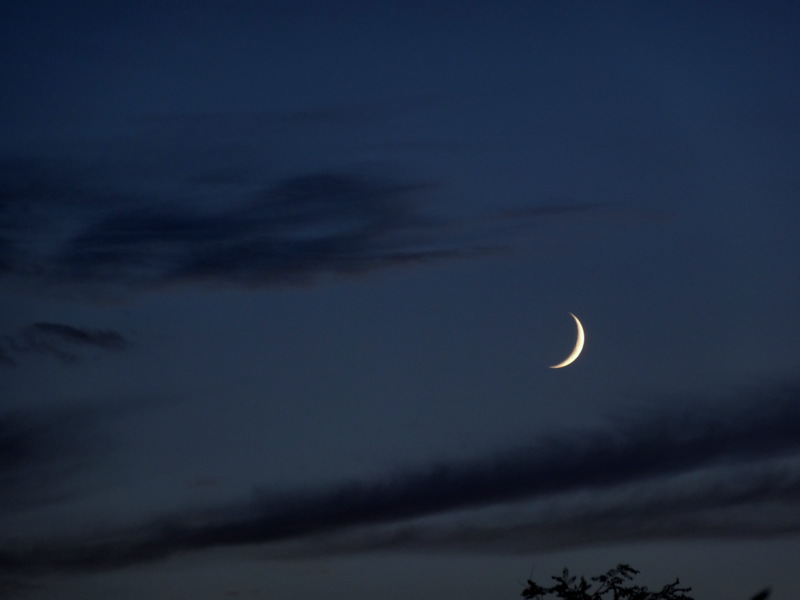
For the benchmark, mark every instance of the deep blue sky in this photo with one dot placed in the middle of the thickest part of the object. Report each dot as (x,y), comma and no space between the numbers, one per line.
(281,283)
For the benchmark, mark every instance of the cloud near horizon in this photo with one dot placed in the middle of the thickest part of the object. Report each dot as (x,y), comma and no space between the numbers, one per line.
(679,474)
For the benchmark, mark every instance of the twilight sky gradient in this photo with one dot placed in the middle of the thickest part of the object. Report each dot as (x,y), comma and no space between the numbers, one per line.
(280,283)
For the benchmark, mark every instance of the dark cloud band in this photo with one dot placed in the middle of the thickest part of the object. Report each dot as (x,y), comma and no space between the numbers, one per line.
(764,425)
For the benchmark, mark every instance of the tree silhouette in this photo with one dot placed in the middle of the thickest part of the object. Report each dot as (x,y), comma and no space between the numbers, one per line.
(613,585)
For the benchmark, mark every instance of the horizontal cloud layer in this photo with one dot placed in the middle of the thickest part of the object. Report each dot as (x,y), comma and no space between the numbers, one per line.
(635,454)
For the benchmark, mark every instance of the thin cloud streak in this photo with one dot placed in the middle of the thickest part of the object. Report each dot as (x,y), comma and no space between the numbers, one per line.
(762,425)
(60,341)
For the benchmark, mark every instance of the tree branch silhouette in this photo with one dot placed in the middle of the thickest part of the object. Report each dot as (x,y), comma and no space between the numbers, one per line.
(612,585)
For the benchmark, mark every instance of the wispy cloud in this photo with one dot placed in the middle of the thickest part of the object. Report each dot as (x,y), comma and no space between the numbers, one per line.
(58,340)
(41,451)
(57,229)
(627,461)
(292,233)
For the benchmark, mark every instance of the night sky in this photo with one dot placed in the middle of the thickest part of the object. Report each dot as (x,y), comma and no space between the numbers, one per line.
(281,283)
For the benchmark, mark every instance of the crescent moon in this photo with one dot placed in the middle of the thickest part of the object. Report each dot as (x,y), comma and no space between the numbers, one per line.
(576,351)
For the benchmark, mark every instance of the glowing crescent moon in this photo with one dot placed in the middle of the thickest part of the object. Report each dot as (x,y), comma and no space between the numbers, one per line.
(576,351)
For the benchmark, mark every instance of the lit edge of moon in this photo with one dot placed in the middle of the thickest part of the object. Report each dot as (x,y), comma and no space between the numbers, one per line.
(576,351)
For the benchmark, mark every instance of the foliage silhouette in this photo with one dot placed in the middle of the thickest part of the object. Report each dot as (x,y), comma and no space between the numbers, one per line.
(613,585)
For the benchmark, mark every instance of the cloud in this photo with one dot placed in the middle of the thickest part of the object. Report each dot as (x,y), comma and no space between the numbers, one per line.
(753,500)
(59,340)
(41,453)
(18,588)
(57,230)
(291,233)
(627,462)
(5,358)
